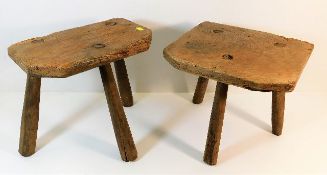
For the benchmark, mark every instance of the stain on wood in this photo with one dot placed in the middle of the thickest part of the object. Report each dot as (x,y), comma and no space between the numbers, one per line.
(216,124)
(123,83)
(200,90)
(123,134)
(241,57)
(278,106)
(72,51)
(30,116)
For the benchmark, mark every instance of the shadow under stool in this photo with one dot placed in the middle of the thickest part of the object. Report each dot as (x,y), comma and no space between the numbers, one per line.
(69,52)
(241,57)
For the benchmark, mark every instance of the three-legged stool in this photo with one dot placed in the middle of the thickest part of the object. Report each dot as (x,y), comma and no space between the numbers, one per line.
(241,57)
(76,50)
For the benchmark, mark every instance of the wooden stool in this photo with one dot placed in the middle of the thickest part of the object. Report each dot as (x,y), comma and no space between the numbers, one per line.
(250,59)
(73,51)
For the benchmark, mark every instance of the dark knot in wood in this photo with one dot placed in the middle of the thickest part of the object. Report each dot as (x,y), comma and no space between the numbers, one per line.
(228,57)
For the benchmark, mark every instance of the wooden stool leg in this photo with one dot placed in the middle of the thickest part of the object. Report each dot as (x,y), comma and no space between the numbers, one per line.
(278,106)
(122,131)
(123,83)
(200,90)
(30,116)
(216,124)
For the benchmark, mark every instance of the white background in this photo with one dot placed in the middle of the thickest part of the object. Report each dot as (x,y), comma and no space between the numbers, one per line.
(75,134)
(149,72)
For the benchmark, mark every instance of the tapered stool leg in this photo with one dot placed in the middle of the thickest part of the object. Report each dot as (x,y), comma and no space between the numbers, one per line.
(122,131)
(216,124)
(123,83)
(278,106)
(30,116)
(200,90)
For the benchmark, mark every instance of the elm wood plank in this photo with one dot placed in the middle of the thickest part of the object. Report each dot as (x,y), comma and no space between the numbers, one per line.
(72,51)
(122,131)
(278,106)
(200,90)
(241,57)
(123,83)
(30,116)
(216,124)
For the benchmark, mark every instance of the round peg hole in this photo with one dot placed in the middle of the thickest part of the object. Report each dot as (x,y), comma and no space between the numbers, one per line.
(228,57)
(110,23)
(99,45)
(37,40)
(279,44)
(218,31)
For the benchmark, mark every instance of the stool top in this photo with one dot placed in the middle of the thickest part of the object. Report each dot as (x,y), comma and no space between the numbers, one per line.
(72,51)
(247,58)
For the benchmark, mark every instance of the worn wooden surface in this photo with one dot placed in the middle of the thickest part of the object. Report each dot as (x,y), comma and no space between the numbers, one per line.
(200,90)
(30,116)
(72,51)
(216,124)
(122,131)
(242,57)
(278,106)
(123,83)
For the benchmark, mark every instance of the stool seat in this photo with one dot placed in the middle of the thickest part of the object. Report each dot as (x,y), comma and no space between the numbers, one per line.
(72,51)
(246,58)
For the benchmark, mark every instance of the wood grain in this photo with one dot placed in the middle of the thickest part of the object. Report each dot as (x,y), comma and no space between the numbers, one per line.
(216,124)
(122,131)
(125,90)
(200,90)
(30,116)
(278,106)
(241,57)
